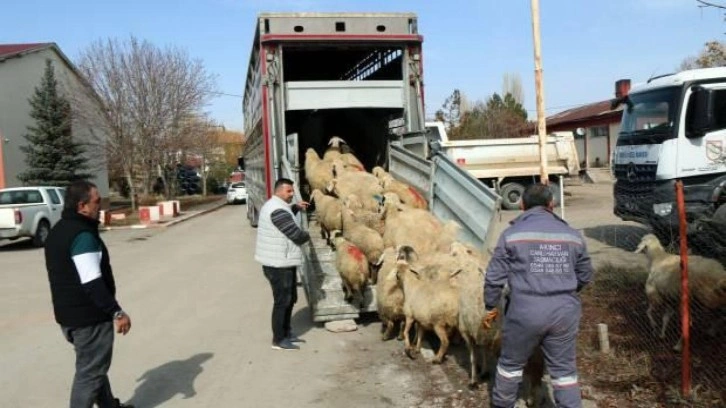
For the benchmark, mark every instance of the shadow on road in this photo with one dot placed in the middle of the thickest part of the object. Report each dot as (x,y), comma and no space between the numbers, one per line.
(624,237)
(301,321)
(22,244)
(162,383)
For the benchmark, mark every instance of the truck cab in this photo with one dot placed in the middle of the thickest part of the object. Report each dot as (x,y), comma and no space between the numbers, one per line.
(673,128)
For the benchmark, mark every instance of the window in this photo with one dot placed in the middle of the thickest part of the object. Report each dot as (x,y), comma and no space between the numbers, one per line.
(719,109)
(600,131)
(21,197)
(53,196)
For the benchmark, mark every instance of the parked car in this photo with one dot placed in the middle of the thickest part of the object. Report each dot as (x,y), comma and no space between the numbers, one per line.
(237,193)
(29,212)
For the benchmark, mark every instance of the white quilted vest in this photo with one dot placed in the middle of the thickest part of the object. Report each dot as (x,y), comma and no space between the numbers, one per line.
(273,248)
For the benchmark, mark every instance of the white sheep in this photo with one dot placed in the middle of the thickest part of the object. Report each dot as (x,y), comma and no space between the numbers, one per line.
(432,305)
(318,172)
(371,219)
(328,210)
(353,268)
(368,240)
(706,281)
(389,295)
(364,185)
(416,228)
(334,150)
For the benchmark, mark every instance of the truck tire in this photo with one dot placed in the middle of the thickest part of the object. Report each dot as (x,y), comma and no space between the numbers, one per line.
(719,215)
(511,195)
(41,233)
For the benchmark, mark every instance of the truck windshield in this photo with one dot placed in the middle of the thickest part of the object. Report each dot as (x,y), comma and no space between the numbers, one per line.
(649,117)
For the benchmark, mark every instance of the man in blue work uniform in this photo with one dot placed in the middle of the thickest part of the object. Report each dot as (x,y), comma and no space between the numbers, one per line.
(545,262)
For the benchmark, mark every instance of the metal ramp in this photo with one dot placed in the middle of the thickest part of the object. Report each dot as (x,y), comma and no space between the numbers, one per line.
(323,285)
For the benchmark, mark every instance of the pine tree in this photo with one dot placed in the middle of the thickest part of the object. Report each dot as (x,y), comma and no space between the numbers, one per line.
(52,155)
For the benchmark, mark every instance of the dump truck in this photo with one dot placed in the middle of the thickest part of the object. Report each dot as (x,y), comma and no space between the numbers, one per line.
(508,165)
(312,76)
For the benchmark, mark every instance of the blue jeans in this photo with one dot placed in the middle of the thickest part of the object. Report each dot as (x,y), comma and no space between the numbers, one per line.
(94,348)
(284,292)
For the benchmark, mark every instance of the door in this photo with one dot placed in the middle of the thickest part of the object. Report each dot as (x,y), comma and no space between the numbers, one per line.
(55,204)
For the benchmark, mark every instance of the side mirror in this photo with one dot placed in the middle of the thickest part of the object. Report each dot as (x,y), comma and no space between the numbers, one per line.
(699,118)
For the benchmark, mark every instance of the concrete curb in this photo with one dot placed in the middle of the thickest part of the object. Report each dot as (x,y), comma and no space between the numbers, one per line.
(186,216)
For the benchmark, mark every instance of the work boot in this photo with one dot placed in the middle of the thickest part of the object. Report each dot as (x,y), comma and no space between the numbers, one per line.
(285,344)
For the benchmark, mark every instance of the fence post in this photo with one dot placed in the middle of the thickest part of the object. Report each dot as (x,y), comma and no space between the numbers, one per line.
(685,311)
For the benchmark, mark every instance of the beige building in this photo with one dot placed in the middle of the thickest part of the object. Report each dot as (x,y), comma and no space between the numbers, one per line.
(21,70)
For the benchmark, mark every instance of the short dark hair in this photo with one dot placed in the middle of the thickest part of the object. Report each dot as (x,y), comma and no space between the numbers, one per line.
(283,181)
(537,195)
(77,192)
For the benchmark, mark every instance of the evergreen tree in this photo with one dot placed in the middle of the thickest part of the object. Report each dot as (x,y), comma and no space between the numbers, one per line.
(52,156)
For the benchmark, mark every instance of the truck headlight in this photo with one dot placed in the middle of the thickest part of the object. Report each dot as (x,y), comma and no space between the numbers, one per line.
(663,209)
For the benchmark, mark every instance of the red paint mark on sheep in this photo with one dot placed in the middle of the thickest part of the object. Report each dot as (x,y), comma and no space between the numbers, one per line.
(356,253)
(417,196)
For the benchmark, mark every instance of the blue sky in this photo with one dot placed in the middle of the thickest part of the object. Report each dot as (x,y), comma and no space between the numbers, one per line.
(470,45)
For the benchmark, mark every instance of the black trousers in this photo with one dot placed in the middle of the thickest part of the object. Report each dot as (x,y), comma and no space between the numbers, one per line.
(94,348)
(284,292)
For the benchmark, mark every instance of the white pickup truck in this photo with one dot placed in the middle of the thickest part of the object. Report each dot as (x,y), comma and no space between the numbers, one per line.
(30,212)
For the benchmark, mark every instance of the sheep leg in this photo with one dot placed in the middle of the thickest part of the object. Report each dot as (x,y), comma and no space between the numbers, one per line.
(666,319)
(472,360)
(406,339)
(388,326)
(419,336)
(444,338)
(402,326)
(649,313)
(347,292)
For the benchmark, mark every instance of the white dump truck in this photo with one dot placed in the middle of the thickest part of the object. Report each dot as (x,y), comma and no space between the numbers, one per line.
(508,165)
(312,76)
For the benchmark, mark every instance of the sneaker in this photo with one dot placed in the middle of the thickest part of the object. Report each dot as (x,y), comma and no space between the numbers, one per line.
(294,339)
(284,345)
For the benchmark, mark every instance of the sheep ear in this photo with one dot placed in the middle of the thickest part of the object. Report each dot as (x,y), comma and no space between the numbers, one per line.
(640,248)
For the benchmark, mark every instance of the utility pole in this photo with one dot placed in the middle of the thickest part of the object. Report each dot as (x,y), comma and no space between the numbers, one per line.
(539,91)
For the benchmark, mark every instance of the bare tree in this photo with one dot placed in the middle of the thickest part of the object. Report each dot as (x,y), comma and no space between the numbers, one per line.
(148,95)
(712,55)
(512,84)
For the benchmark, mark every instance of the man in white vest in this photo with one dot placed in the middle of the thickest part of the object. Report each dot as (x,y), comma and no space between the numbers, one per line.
(279,238)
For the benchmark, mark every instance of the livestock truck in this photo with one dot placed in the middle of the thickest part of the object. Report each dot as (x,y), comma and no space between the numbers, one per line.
(674,128)
(312,76)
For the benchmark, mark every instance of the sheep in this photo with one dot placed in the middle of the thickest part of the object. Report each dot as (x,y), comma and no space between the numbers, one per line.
(372,220)
(334,150)
(407,194)
(368,240)
(328,210)
(317,172)
(389,295)
(433,305)
(416,228)
(706,281)
(364,185)
(353,269)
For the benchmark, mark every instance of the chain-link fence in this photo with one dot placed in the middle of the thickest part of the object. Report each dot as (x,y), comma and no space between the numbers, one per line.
(667,345)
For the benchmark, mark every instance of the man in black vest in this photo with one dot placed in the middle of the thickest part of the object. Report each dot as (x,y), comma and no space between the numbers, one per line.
(83,291)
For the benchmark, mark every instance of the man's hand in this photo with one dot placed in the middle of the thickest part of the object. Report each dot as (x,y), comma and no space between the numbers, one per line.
(122,324)
(489,318)
(303,205)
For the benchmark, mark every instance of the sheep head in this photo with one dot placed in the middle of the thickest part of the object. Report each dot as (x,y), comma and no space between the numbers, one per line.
(406,253)
(332,187)
(648,243)
(336,141)
(378,172)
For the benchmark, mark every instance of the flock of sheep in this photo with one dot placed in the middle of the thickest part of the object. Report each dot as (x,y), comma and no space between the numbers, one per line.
(384,235)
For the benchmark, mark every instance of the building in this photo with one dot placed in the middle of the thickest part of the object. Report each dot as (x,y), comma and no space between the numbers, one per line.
(21,70)
(595,127)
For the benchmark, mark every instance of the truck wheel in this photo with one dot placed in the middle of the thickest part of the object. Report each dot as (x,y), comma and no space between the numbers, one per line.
(511,195)
(41,233)
(253,215)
